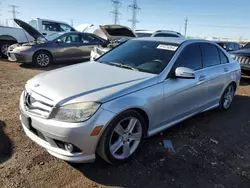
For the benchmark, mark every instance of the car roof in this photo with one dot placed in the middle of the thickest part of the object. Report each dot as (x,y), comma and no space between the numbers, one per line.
(174,40)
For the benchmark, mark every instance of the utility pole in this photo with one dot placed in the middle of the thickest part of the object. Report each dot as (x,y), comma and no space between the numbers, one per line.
(116,4)
(186,24)
(135,8)
(14,13)
(72,22)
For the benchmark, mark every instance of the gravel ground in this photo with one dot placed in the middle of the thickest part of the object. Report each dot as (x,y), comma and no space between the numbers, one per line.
(211,149)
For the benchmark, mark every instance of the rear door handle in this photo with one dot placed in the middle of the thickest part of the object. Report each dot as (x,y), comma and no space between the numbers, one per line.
(44,33)
(226,69)
(202,77)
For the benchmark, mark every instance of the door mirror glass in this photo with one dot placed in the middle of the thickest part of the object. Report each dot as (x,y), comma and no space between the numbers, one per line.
(183,72)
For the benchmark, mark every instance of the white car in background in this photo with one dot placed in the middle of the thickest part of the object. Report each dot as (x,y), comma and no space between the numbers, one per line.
(159,33)
(115,34)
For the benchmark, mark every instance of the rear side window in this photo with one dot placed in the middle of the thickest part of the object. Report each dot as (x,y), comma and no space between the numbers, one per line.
(210,55)
(166,35)
(190,57)
(223,57)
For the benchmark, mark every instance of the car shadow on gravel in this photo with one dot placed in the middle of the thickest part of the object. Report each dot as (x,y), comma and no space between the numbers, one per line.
(211,150)
(5,144)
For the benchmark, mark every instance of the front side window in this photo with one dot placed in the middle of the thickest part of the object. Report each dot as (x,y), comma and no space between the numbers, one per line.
(166,35)
(145,56)
(210,55)
(190,57)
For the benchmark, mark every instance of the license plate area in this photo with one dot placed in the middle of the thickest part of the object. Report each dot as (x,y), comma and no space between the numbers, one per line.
(26,121)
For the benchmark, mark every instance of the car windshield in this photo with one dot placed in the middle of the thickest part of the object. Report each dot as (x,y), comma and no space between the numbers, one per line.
(143,34)
(145,56)
(53,36)
(247,45)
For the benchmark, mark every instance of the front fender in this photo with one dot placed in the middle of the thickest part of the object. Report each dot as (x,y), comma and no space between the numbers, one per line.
(149,100)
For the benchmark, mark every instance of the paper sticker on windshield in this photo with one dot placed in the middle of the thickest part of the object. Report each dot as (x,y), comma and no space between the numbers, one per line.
(167,47)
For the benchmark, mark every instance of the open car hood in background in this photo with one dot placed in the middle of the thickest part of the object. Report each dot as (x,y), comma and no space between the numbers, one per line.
(83,27)
(29,29)
(114,32)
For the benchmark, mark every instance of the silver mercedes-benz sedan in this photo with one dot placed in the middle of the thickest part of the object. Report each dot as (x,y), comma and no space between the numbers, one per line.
(108,106)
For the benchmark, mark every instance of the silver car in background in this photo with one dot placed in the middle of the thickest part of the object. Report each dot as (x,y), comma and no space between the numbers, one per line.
(136,90)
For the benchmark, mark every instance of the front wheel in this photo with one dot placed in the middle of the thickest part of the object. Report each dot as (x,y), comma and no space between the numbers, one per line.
(4,48)
(227,97)
(122,137)
(42,59)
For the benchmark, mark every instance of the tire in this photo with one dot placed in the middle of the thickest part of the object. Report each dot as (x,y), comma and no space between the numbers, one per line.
(4,47)
(227,97)
(123,147)
(42,58)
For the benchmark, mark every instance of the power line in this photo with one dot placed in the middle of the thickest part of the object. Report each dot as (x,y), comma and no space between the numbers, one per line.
(14,13)
(186,25)
(135,8)
(116,4)
(222,26)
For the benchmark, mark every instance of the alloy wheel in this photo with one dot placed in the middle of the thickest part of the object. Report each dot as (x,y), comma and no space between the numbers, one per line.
(125,138)
(228,97)
(43,60)
(4,49)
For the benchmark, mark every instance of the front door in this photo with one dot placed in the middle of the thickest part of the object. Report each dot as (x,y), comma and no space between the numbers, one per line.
(184,97)
(69,48)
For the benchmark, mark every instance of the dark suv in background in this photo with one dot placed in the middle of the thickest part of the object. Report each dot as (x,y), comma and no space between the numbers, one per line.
(229,46)
(243,57)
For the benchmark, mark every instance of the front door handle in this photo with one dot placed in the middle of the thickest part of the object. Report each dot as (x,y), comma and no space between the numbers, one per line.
(226,69)
(202,77)
(45,34)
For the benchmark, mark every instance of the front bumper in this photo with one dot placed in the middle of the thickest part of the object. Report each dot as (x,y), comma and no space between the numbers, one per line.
(47,133)
(20,56)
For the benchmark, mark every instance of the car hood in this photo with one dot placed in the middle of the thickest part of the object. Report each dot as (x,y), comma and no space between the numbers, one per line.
(114,32)
(29,29)
(84,27)
(90,81)
(241,52)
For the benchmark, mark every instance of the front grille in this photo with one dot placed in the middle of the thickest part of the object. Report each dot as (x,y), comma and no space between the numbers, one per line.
(37,104)
(243,59)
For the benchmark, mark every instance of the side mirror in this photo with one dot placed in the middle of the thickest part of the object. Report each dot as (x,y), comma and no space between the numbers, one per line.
(58,41)
(183,72)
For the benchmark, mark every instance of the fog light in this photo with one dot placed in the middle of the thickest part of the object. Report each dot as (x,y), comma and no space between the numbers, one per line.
(69,147)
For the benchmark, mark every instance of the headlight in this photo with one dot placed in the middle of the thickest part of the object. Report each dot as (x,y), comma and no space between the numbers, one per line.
(76,112)
(24,48)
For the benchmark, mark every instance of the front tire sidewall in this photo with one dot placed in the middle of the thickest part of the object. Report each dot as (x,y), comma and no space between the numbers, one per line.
(41,53)
(103,147)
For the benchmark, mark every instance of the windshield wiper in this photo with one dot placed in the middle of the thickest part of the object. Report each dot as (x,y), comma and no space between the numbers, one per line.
(123,66)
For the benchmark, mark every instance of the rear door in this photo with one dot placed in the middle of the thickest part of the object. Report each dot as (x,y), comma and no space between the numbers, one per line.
(215,69)
(87,43)
(183,97)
